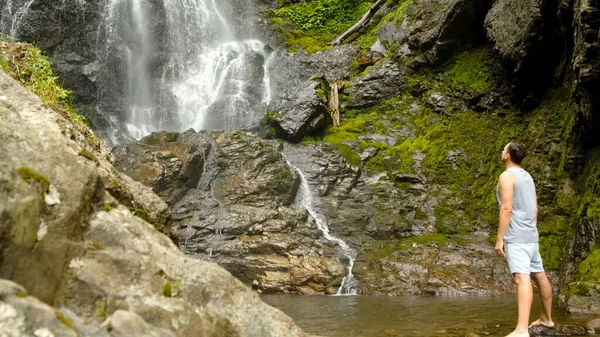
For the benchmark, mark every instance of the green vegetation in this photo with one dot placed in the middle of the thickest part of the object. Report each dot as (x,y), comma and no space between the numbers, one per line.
(470,71)
(64,320)
(461,152)
(171,137)
(316,23)
(87,154)
(146,216)
(167,289)
(31,176)
(323,89)
(107,207)
(26,64)
(282,180)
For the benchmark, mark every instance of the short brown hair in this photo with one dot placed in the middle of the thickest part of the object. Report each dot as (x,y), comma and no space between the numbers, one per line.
(517,151)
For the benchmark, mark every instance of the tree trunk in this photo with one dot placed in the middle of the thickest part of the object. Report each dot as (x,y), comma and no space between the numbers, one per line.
(360,24)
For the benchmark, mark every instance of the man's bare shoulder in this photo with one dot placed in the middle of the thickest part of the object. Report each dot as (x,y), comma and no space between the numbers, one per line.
(506,177)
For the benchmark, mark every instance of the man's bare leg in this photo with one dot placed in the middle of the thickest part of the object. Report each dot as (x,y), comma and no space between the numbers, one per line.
(525,298)
(546,298)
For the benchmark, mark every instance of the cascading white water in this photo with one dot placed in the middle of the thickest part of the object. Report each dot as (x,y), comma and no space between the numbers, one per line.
(216,78)
(182,64)
(305,199)
(129,44)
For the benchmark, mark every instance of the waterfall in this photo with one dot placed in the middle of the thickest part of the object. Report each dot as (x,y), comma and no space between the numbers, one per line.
(305,199)
(15,17)
(180,64)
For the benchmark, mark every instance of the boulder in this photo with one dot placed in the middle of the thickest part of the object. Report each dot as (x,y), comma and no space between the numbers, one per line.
(382,81)
(301,113)
(82,249)
(431,31)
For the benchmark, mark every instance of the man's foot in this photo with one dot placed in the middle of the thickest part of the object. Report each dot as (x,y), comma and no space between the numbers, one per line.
(518,334)
(540,322)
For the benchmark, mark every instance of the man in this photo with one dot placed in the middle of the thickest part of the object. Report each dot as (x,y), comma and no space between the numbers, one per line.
(517,240)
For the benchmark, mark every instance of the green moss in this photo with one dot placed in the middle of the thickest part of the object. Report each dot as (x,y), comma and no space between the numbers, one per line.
(87,154)
(282,180)
(469,70)
(146,216)
(32,176)
(171,136)
(100,311)
(21,294)
(166,290)
(143,214)
(427,239)
(351,157)
(277,21)
(64,320)
(107,207)
(323,89)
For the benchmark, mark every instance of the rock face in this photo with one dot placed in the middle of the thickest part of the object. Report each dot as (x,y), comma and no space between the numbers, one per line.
(527,35)
(24,316)
(381,82)
(585,68)
(60,223)
(300,90)
(246,213)
(67,30)
(237,209)
(431,31)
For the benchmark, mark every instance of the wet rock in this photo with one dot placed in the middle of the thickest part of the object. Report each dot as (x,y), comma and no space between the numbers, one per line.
(559,330)
(238,211)
(440,103)
(530,39)
(299,114)
(586,46)
(169,162)
(334,64)
(381,82)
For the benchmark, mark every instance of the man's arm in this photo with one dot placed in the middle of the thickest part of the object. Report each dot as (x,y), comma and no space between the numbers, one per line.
(506,186)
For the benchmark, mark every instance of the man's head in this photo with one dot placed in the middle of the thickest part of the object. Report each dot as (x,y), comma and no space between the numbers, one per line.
(514,152)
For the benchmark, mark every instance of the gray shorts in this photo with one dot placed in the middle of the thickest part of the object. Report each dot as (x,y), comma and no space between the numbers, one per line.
(523,258)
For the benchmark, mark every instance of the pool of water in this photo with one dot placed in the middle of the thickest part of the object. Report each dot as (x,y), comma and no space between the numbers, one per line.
(379,316)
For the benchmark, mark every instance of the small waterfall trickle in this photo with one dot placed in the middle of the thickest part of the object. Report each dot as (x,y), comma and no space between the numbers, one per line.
(12,19)
(306,200)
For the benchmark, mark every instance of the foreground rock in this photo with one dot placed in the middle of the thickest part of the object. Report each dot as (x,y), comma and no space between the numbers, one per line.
(60,224)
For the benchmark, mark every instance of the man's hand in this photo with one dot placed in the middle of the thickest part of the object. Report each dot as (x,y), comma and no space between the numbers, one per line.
(500,249)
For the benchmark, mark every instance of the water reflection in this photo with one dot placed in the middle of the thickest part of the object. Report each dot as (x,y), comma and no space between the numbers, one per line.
(370,316)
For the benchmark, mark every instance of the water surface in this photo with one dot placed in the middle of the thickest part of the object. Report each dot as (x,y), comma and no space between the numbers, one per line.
(379,316)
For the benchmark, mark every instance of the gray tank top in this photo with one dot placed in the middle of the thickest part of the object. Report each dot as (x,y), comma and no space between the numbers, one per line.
(523,227)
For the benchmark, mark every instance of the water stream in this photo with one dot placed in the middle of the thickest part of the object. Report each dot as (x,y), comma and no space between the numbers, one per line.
(306,200)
